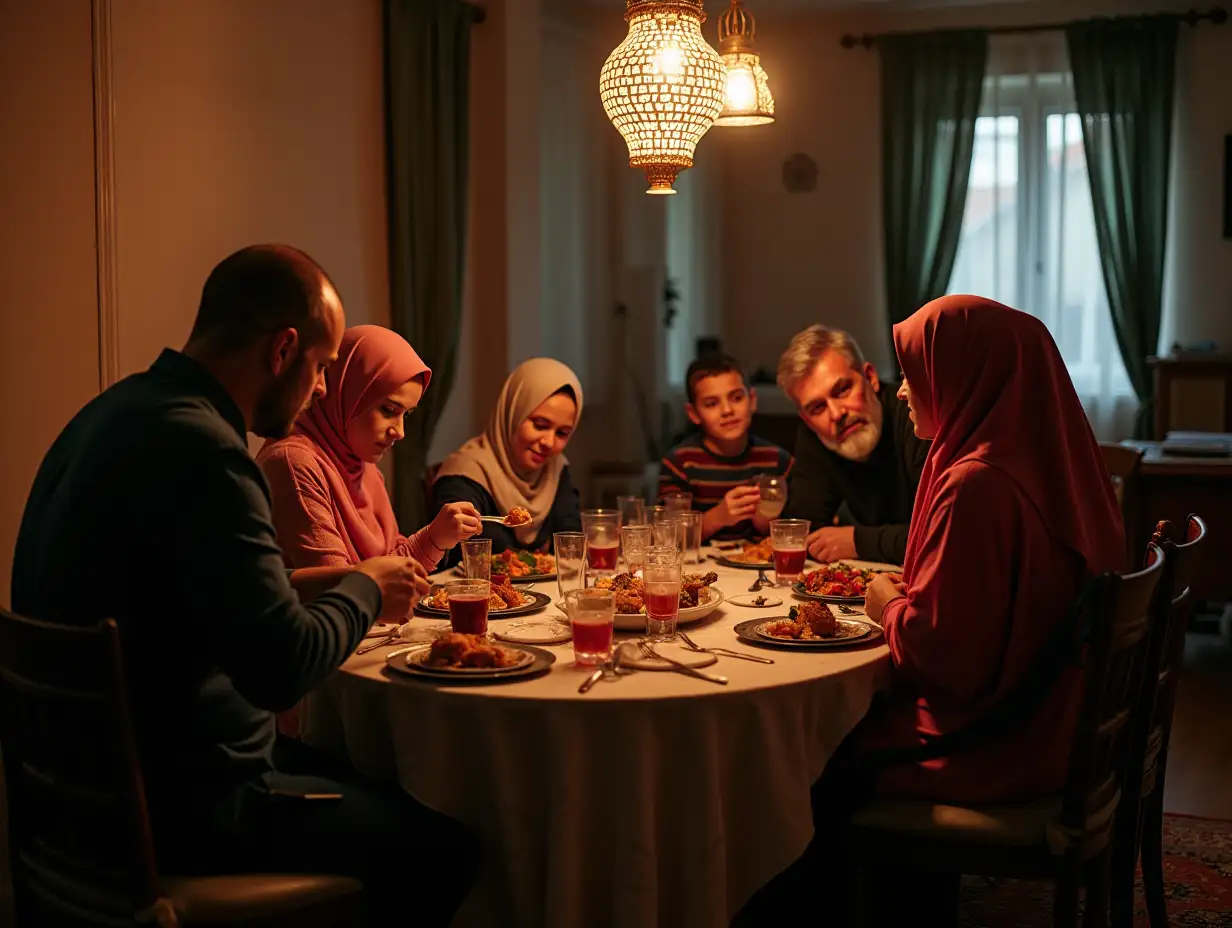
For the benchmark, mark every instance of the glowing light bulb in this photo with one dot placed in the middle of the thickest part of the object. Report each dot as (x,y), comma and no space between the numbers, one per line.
(669,62)
(741,94)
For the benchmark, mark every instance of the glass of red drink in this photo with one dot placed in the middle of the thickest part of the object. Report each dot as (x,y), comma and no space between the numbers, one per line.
(602,528)
(468,606)
(789,539)
(592,616)
(662,597)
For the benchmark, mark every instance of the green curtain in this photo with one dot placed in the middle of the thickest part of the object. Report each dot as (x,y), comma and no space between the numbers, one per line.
(930,97)
(1124,71)
(427,128)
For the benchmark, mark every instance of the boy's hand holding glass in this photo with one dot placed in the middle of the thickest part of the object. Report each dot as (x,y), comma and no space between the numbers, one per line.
(738,504)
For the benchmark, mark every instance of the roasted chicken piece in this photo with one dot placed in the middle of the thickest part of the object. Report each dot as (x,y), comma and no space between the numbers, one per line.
(628,602)
(691,584)
(510,597)
(449,649)
(819,618)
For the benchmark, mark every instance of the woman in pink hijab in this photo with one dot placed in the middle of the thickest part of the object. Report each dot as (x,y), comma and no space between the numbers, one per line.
(331,508)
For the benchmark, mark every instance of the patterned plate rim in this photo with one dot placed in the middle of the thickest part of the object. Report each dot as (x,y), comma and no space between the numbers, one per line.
(799,590)
(747,631)
(542,600)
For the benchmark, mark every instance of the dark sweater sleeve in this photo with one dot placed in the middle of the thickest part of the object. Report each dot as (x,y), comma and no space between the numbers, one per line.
(885,543)
(811,491)
(567,507)
(252,623)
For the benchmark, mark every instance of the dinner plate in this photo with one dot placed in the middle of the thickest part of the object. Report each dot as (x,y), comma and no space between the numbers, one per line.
(636,621)
(539,601)
(409,662)
(799,589)
(748,632)
(460,571)
(742,565)
(748,600)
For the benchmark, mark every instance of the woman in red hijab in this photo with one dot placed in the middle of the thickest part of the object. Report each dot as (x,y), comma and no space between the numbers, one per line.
(1015,509)
(331,508)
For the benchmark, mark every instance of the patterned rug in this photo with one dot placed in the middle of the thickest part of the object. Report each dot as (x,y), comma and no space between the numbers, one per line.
(1197,877)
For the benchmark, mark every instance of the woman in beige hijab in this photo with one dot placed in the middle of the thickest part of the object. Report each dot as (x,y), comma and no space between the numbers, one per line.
(517,461)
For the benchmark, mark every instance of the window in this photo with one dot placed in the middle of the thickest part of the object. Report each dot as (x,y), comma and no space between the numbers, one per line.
(1028,234)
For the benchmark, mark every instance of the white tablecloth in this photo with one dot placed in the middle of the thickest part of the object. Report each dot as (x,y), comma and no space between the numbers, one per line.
(653,800)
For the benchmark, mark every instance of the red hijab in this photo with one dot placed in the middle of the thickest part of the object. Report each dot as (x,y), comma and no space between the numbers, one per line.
(993,382)
(372,363)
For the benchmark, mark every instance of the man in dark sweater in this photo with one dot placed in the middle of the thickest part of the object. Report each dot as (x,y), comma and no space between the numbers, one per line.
(855,448)
(148,509)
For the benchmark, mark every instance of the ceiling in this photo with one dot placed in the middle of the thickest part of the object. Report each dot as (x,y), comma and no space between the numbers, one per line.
(817,5)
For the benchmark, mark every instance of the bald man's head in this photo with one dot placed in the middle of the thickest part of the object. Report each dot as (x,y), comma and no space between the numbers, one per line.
(260,290)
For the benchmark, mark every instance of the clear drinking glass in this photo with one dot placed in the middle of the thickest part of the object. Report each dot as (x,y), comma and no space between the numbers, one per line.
(477,558)
(773,496)
(602,528)
(634,540)
(691,537)
(592,616)
(789,539)
(570,551)
(468,606)
(678,501)
(668,529)
(662,600)
(632,510)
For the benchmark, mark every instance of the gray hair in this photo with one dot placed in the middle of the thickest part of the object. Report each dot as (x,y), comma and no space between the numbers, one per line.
(806,349)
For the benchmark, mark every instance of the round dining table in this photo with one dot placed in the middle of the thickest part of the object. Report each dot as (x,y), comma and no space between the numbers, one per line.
(653,799)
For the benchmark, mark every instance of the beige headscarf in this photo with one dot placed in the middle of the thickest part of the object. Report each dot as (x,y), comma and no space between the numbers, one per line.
(487,459)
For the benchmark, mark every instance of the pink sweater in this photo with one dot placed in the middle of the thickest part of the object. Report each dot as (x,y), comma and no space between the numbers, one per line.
(317,529)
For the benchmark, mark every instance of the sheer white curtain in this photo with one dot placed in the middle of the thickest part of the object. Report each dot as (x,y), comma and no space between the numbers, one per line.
(1028,237)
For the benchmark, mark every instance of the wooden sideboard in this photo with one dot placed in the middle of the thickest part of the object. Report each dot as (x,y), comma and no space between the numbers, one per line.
(1193,393)
(1171,487)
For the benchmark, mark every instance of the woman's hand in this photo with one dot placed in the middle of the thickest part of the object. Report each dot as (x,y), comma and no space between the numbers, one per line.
(883,589)
(454,523)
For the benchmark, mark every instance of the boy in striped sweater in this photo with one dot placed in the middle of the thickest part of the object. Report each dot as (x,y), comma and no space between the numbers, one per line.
(716,463)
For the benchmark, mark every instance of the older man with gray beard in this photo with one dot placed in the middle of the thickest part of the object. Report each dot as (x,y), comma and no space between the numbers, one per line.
(855,446)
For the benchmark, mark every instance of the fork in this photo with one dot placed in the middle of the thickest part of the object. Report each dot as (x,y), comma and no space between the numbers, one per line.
(693,646)
(682,668)
(847,610)
(762,580)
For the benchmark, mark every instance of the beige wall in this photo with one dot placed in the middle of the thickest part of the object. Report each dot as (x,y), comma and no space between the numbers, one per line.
(241,122)
(793,259)
(235,122)
(49,312)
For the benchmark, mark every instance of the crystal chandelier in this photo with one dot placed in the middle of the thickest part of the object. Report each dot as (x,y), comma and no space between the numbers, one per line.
(747,100)
(662,87)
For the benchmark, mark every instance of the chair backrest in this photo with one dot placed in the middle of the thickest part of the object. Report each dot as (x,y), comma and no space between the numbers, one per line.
(79,830)
(1123,463)
(1114,667)
(1168,635)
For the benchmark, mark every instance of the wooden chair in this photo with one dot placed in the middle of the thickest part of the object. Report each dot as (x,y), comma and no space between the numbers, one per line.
(1140,818)
(1123,464)
(1066,838)
(79,831)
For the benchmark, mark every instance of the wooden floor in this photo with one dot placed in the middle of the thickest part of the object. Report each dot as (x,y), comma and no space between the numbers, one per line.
(1200,756)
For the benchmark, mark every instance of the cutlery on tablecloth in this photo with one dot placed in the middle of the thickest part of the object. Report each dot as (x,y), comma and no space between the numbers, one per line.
(681,668)
(726,652)
(392,638)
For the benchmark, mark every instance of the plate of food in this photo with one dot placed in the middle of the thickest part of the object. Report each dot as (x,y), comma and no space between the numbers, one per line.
(841,582)
(468,657)
(505,602)
(520,566)
(698,598)
(753,555)
(810,625)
